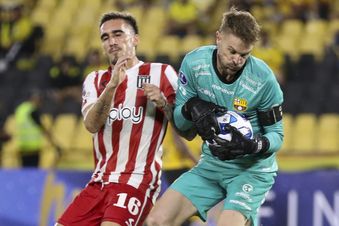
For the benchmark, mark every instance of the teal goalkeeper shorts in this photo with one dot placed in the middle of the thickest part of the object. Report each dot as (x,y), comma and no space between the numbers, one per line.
(240,190)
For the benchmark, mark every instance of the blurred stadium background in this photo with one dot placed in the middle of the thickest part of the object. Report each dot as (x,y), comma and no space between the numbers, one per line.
(300,41)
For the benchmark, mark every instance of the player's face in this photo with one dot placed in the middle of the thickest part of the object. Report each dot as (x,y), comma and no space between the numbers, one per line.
(118,39)
(232,53)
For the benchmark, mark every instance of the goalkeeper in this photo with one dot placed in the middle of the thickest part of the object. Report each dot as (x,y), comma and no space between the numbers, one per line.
(212,80)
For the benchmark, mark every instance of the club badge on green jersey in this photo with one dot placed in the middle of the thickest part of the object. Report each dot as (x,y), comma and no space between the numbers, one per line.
(240,104)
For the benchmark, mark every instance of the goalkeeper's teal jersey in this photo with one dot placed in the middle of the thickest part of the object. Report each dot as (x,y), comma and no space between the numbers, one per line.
(256,89)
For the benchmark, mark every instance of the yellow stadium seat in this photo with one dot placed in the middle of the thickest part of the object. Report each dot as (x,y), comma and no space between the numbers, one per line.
(137,12)
(169,45)
(189,43)
(271,27)
(292,27)
(288,45)
(147,48)
(77,47)
(316,27)
(81,156)
(327,134)
(63,130)
(313,45)
(209,40)
(156,17)
(258,12)
(305,126)
(41,16)
(47,4)
(314,38)
(83,138)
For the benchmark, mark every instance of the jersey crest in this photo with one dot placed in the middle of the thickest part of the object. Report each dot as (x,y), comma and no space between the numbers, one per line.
(240,104)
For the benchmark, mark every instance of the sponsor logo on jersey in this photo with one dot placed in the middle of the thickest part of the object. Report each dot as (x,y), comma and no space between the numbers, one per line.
(206,92)
(223,90)
(202,73)
(201,66)
(241,204)
(244,195)
(240,104)
(182,78)
(125,113)
(143,79)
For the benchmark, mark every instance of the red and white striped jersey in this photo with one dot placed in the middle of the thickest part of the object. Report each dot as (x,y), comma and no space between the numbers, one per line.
(127,149)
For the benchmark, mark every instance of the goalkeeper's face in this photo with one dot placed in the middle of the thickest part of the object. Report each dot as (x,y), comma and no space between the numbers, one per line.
(232,53)
(118,39)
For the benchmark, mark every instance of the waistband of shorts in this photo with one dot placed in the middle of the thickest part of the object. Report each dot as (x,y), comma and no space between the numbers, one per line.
(104,185)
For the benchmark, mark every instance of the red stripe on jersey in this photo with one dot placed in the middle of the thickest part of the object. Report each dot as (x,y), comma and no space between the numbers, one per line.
(156,182)
(96,82)
(119,97)
(159,118)
(94,155)
(100,88)
(145,69)
(136,129)
(101,145)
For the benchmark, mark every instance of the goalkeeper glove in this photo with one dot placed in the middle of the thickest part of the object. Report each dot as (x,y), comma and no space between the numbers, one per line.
(203,115)
(238,146)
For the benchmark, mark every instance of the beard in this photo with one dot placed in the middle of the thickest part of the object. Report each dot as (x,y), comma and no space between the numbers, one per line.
(227,70)
(114,58)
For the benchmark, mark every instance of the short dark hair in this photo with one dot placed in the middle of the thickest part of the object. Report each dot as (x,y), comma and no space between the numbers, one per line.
(242,24)
(127,17)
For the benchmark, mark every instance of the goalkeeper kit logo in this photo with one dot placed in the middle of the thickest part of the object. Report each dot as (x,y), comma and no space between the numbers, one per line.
(240,104)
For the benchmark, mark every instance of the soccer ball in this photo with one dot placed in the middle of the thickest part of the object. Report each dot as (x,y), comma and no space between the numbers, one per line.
(236,120)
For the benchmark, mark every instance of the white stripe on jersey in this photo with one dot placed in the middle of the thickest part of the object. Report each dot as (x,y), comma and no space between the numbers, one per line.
(171,76)
(146,135)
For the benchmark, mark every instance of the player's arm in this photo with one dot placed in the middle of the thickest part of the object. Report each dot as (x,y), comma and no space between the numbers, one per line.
(182,147)
(270,115)
(193,115)
(95,115)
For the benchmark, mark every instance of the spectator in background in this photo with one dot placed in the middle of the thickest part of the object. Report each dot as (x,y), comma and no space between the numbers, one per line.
(66,81)
(19,37)
(93,62)
(208,15)
(271,54)
(183,16)
(31,131)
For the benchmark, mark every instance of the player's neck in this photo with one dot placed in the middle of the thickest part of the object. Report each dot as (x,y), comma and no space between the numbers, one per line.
(227,76)
(132,62)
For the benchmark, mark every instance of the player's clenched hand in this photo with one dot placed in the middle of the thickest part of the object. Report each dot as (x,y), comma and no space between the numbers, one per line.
(238,146)
(118,72)
(154,94)
(203,115)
